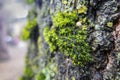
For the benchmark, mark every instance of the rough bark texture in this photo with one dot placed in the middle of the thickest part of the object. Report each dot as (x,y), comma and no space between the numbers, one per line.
(103,38)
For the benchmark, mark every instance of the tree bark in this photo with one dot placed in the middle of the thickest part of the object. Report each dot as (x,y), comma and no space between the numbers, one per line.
(103,39)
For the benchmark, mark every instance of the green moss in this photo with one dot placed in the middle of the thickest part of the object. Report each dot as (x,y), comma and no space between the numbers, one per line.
(28,72)
(28,29)
(62,19)
(82,9)
(64,36)
(40,76)
(47,73)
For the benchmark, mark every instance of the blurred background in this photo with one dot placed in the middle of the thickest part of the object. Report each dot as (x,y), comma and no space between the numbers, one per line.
(13,15)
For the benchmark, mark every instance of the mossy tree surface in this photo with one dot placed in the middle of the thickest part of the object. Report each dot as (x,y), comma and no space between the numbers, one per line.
(74,30)
(68,38)
(28,29)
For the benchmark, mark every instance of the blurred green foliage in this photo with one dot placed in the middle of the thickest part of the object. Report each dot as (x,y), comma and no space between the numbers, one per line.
(28,74)
(48,72)
(29,1)
(28,29)
(40,76)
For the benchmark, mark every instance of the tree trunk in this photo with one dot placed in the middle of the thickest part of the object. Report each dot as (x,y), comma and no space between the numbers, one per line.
(103,36)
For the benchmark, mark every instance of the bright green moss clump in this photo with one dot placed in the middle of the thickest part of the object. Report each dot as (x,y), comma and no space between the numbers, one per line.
(64,36)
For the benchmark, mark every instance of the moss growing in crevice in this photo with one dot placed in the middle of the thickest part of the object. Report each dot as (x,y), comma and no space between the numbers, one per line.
(28,29)
(68,37)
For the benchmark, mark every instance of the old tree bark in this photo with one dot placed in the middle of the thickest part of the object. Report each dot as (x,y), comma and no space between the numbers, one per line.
(105,39)
(103,36)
